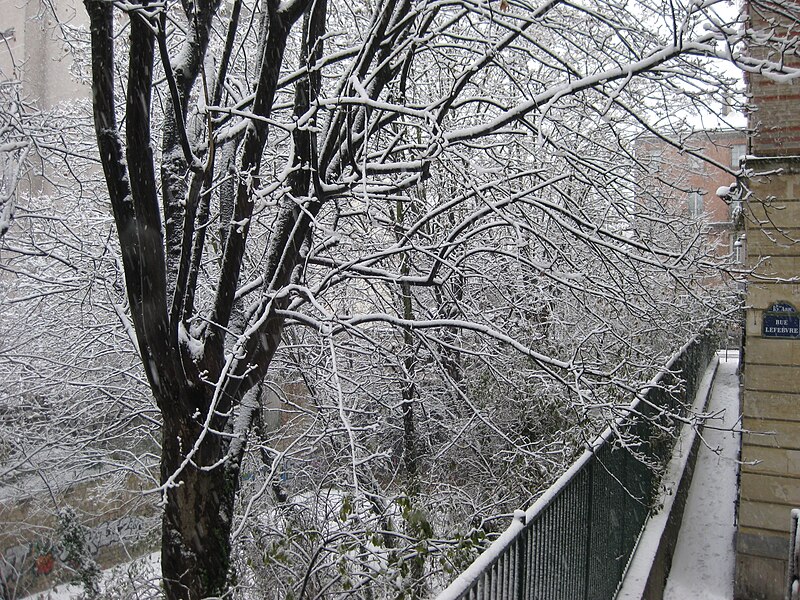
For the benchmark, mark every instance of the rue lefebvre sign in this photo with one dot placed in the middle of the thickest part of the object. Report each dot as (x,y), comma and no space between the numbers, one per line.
(781,320)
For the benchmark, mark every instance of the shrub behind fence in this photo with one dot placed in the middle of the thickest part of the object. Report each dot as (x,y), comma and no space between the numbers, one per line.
(575,542)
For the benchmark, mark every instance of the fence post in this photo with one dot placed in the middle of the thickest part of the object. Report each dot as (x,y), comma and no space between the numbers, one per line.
(522,557)
(588,556)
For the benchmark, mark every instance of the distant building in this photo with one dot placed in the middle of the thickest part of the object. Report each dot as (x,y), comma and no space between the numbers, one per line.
(37,40)
(687,185)
(35,49)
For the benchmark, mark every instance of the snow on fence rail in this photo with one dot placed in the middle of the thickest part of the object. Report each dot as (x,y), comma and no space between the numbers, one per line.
(793,592)
(576,540)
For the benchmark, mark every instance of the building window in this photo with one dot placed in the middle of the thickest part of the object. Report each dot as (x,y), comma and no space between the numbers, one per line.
(737,153)
(695,204)
(738,250)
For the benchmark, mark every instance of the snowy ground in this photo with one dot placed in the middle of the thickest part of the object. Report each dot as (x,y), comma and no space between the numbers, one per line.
(137,579)
(703,564)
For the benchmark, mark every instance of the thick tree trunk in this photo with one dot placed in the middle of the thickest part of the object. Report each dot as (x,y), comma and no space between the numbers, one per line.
(199,471)
(197,519)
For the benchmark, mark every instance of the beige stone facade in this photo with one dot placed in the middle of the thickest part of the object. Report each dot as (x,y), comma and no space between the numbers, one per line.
(770,475)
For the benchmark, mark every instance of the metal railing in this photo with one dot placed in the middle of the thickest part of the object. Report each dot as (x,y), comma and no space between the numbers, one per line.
(575,541)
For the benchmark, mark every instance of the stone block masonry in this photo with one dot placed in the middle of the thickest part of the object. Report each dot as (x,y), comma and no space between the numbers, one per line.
(770,473)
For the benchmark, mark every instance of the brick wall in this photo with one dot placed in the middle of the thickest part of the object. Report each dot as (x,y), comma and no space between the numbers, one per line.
(774,105)
(673,175)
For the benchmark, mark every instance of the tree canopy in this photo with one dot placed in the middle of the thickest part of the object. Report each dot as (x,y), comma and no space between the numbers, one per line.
(403,250)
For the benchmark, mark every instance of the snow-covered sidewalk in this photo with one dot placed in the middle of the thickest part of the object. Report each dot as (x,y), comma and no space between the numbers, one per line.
(703,564)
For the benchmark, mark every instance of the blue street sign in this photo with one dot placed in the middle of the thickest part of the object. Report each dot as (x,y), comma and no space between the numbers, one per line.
(781,320)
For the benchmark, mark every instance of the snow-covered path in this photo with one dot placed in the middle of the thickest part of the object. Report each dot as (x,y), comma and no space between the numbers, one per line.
(703,564)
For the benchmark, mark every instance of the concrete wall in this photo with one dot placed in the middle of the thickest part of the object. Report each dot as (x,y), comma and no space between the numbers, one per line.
(770,476)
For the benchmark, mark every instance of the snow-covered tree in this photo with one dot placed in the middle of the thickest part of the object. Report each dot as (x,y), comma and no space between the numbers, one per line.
(77,422)
(14,149)
(434,185)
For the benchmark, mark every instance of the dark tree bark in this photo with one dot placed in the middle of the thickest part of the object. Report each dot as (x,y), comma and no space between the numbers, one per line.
(206,345)
(201,452)
(198,470)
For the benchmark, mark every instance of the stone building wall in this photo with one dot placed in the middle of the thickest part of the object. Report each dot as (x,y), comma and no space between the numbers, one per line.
(770,474)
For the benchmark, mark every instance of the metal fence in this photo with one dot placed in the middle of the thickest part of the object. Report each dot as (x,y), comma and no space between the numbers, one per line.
(575,541)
